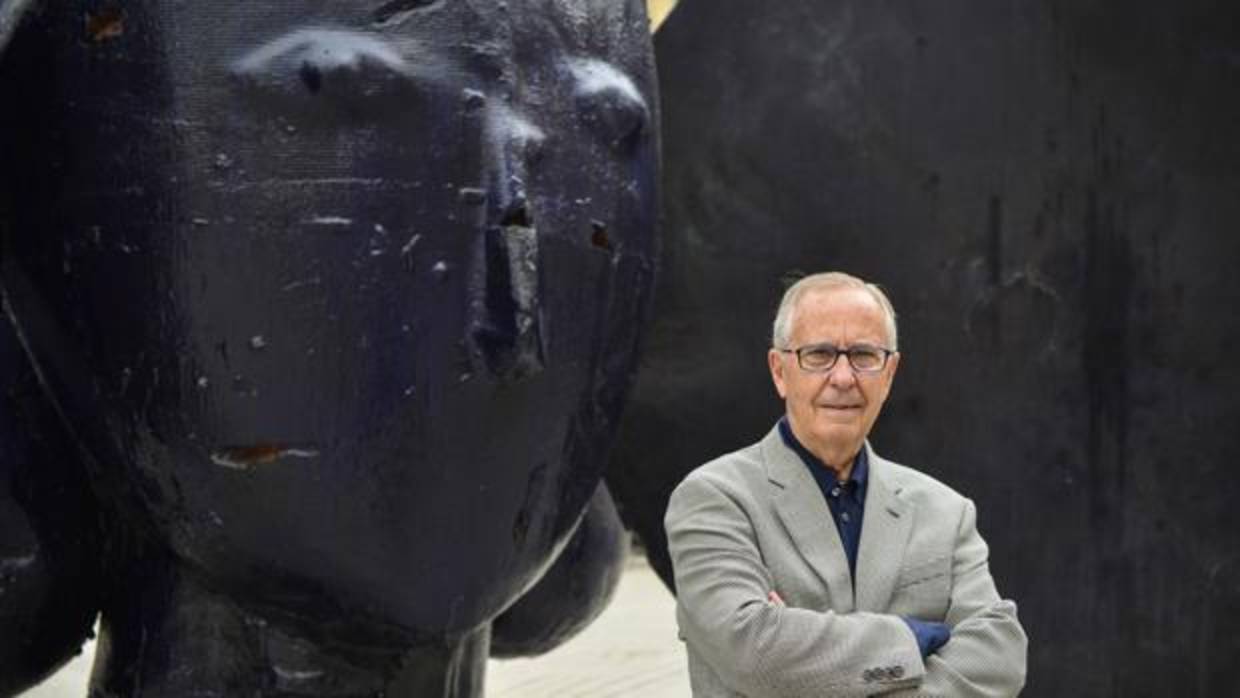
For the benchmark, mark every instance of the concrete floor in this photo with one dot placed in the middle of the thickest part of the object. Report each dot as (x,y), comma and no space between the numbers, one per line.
(631,650)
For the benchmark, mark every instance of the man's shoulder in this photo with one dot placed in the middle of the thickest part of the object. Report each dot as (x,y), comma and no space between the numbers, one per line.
(918,486)
(733,484)
(739,474)
(741,465)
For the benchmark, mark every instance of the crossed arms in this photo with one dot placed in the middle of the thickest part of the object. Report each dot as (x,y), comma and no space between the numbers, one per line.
(759,647)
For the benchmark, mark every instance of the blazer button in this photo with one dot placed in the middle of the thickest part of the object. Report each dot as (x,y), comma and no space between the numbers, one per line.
(867,675)
(897,671)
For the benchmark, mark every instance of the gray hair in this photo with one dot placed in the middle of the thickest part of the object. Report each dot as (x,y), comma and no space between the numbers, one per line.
(826,280)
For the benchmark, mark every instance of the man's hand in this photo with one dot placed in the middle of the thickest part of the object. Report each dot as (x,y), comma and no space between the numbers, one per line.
(930,635)
(774,598)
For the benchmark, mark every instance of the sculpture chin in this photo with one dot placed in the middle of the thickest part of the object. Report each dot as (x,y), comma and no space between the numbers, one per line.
(573,592)
(386,523)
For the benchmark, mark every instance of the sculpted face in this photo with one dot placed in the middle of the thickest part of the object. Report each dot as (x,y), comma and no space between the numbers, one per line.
(340,296)
(831,413)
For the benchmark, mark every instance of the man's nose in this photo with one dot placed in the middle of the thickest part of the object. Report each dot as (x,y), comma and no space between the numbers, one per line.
(841,375)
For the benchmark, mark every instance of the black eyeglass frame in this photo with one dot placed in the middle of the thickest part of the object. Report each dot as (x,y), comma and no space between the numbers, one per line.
(845,351)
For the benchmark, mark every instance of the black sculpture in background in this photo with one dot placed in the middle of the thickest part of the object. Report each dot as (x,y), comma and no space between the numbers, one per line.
(339,302)
(1049,191)
(50,574)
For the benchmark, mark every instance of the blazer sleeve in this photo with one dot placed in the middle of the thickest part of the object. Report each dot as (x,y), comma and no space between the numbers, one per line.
(985,657)
(762,649)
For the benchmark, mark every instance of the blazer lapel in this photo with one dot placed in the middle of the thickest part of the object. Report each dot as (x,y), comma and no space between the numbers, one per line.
(804,513)
(884,536)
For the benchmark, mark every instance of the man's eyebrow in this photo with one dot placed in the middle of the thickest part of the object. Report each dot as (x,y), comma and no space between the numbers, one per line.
(841,347)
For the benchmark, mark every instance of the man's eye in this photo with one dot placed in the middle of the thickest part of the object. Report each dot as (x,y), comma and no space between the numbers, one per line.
(818,356)
(865,358)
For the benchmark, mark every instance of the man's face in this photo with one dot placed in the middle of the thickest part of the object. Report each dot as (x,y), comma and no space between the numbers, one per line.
(831,413)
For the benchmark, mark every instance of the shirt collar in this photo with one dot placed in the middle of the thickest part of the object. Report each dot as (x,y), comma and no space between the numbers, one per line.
(861,466)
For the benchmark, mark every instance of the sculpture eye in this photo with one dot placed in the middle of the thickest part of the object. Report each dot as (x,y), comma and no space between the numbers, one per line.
(396,10)
(344,66)
(610,104)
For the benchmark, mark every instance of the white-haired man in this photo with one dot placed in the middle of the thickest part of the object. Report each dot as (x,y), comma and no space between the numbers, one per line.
(806,565)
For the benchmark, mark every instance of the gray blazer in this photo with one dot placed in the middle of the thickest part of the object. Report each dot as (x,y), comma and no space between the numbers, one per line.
(755,520)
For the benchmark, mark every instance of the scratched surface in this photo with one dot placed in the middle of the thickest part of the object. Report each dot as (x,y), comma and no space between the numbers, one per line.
(343,301)
(1049,190)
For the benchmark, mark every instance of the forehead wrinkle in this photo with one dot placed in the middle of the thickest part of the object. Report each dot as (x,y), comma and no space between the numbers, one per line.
(843,319)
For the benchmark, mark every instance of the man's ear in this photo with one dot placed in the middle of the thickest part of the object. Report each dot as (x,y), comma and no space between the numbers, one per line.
(775,360)
(893,362)
(11,13)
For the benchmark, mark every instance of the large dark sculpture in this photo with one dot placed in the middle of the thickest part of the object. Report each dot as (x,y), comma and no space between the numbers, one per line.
(339,302)
(1049,190)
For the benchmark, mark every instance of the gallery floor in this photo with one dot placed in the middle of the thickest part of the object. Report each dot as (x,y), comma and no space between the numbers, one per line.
(631,650)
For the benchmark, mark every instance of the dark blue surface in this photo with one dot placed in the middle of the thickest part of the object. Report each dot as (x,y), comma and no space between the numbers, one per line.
(343,301)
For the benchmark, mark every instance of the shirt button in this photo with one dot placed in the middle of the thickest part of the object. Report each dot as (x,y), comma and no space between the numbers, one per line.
(835,491)
(846,517)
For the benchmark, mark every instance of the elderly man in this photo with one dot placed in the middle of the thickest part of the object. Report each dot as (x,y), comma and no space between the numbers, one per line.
(806,565)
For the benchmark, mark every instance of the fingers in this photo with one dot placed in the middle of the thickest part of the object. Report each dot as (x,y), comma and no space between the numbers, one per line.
(774,598)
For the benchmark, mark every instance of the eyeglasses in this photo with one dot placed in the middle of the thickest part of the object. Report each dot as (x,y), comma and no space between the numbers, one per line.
(820,358)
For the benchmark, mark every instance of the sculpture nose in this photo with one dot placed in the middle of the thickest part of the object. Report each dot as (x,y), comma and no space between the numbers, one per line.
(516,147)
(506,330)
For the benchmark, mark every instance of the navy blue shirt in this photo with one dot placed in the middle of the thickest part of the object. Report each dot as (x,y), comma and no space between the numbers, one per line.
(846,500)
